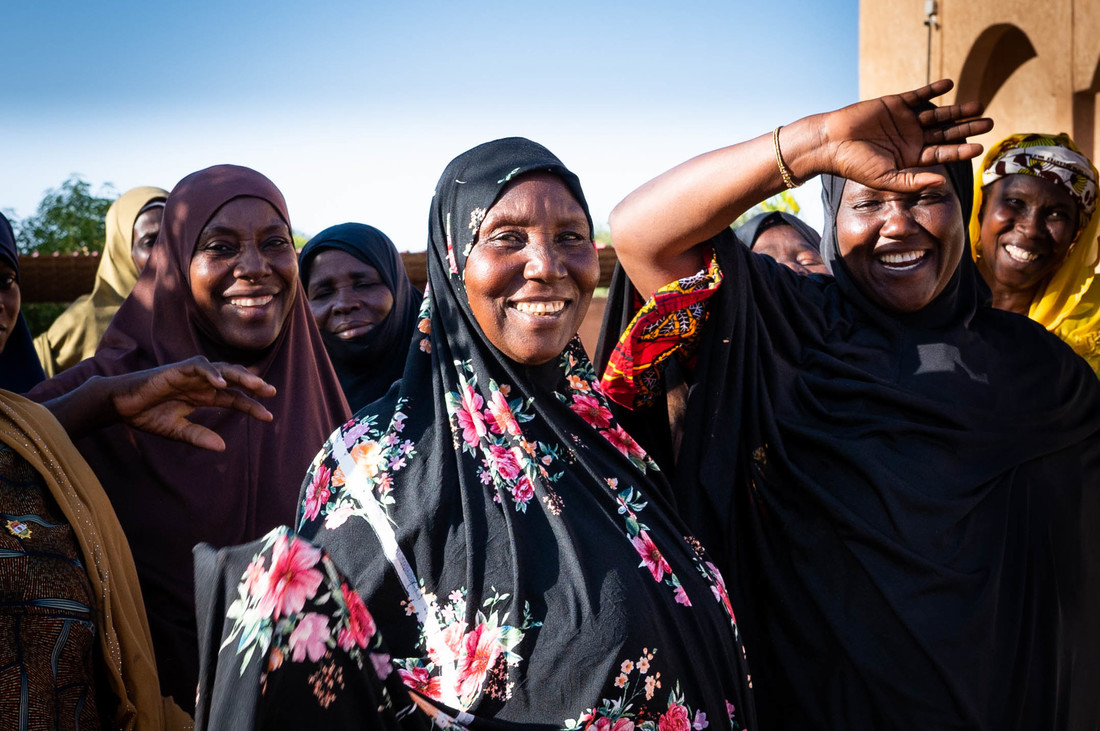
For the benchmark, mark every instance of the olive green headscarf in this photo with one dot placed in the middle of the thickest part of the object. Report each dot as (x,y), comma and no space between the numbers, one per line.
(75,335)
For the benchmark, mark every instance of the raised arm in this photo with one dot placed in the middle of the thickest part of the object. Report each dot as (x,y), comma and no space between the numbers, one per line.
(658,227)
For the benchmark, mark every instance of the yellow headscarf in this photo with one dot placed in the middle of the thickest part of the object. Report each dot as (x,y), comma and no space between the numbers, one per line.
(1069,304)
(75,335)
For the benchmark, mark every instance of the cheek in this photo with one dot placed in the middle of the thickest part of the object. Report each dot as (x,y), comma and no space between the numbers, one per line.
(320,311)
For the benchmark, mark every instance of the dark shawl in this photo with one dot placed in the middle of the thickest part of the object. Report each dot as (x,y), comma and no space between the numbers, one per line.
(907,503)
(368,366)
(514,512)
(169,495)
(750,229)
(19,366)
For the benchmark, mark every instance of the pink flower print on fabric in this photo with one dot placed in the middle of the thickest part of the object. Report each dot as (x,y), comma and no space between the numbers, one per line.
(317,493)
(623,442)
(499,415)
(421,681)
(309,638)
(523,490)
(361,626)
(293,578)
(504,461)
(480,650)
(674,719)
(470,419)
(651,556)
(593,412)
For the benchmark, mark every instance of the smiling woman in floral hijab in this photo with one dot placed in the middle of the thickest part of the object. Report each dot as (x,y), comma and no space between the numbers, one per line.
(514,547)
(1033,235)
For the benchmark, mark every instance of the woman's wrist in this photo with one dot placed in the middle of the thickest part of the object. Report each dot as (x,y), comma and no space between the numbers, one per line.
(800,145)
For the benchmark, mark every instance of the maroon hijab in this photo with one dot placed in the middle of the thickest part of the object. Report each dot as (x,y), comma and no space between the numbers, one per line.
(170,496)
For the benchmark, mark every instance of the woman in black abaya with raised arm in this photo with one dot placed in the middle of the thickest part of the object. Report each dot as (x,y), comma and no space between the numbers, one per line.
(900,481)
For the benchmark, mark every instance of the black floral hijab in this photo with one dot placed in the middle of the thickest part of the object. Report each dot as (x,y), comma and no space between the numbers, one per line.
(514,546)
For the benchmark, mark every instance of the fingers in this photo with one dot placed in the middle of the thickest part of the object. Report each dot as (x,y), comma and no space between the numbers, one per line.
(242,403)
(957,132)
(926,93)
(908,181)
(950,113)
(200,436)
(243,378)
(943,154)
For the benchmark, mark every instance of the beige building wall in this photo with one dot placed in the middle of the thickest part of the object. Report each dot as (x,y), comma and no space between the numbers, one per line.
(1036,66)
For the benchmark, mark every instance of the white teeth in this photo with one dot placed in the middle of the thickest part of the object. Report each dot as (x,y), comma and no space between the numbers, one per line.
(251,301)
(1021,255)
(902,258)
(540,308)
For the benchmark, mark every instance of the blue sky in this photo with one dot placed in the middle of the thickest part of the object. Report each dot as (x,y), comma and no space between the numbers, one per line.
(354,108)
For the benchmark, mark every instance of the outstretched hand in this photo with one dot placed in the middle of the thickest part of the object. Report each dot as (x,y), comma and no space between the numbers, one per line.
(159,400)
(877,142)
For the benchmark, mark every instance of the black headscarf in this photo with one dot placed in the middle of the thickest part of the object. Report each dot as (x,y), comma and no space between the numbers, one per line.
(367,366)
(750,229)
(535,573)
(907,502)
(20,369)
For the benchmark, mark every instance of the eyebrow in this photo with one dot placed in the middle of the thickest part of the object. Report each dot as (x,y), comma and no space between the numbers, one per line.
(215,230)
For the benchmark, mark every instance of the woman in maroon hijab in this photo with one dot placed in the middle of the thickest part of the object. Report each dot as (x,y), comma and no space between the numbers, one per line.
(222,285)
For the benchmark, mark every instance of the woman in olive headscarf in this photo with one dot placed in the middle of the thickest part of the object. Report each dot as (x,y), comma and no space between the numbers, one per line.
(75,335)
(1033,235)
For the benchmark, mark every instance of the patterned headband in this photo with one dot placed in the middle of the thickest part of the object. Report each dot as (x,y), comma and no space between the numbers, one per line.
(1050,157)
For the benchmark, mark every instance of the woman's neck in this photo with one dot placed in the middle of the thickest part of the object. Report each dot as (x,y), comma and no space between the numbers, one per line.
(1012,300)
(1007,298)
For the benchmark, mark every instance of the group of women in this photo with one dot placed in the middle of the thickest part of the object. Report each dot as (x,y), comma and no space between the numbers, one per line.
(791,500)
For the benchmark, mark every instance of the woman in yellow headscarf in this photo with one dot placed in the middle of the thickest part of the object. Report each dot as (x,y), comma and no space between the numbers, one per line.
(1033,236)
(75,335)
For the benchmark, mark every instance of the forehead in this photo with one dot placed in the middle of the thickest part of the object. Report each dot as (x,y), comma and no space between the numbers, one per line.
(1035,187)
(782,234)
(535,193)
(334,262)
(853,189)
(245,211)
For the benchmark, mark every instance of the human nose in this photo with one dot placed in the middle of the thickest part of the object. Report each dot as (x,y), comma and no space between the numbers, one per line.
(252,264)
(899,221)
(544,262)
(1028,224)
(345,301)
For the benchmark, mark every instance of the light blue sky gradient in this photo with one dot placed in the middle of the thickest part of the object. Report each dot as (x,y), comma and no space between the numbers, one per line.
(354,108)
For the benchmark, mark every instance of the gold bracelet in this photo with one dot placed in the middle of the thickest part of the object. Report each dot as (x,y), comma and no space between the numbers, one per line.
(787,179)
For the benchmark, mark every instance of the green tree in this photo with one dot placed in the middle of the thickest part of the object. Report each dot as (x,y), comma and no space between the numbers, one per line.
(69,219)
(781,201)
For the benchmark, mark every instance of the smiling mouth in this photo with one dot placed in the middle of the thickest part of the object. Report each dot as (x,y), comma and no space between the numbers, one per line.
(1019,254)
(540,309)
(252,301)
(903,260)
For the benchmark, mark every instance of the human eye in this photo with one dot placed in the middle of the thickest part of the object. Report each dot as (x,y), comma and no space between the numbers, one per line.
(276,242)
(7,281)
(508,238)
